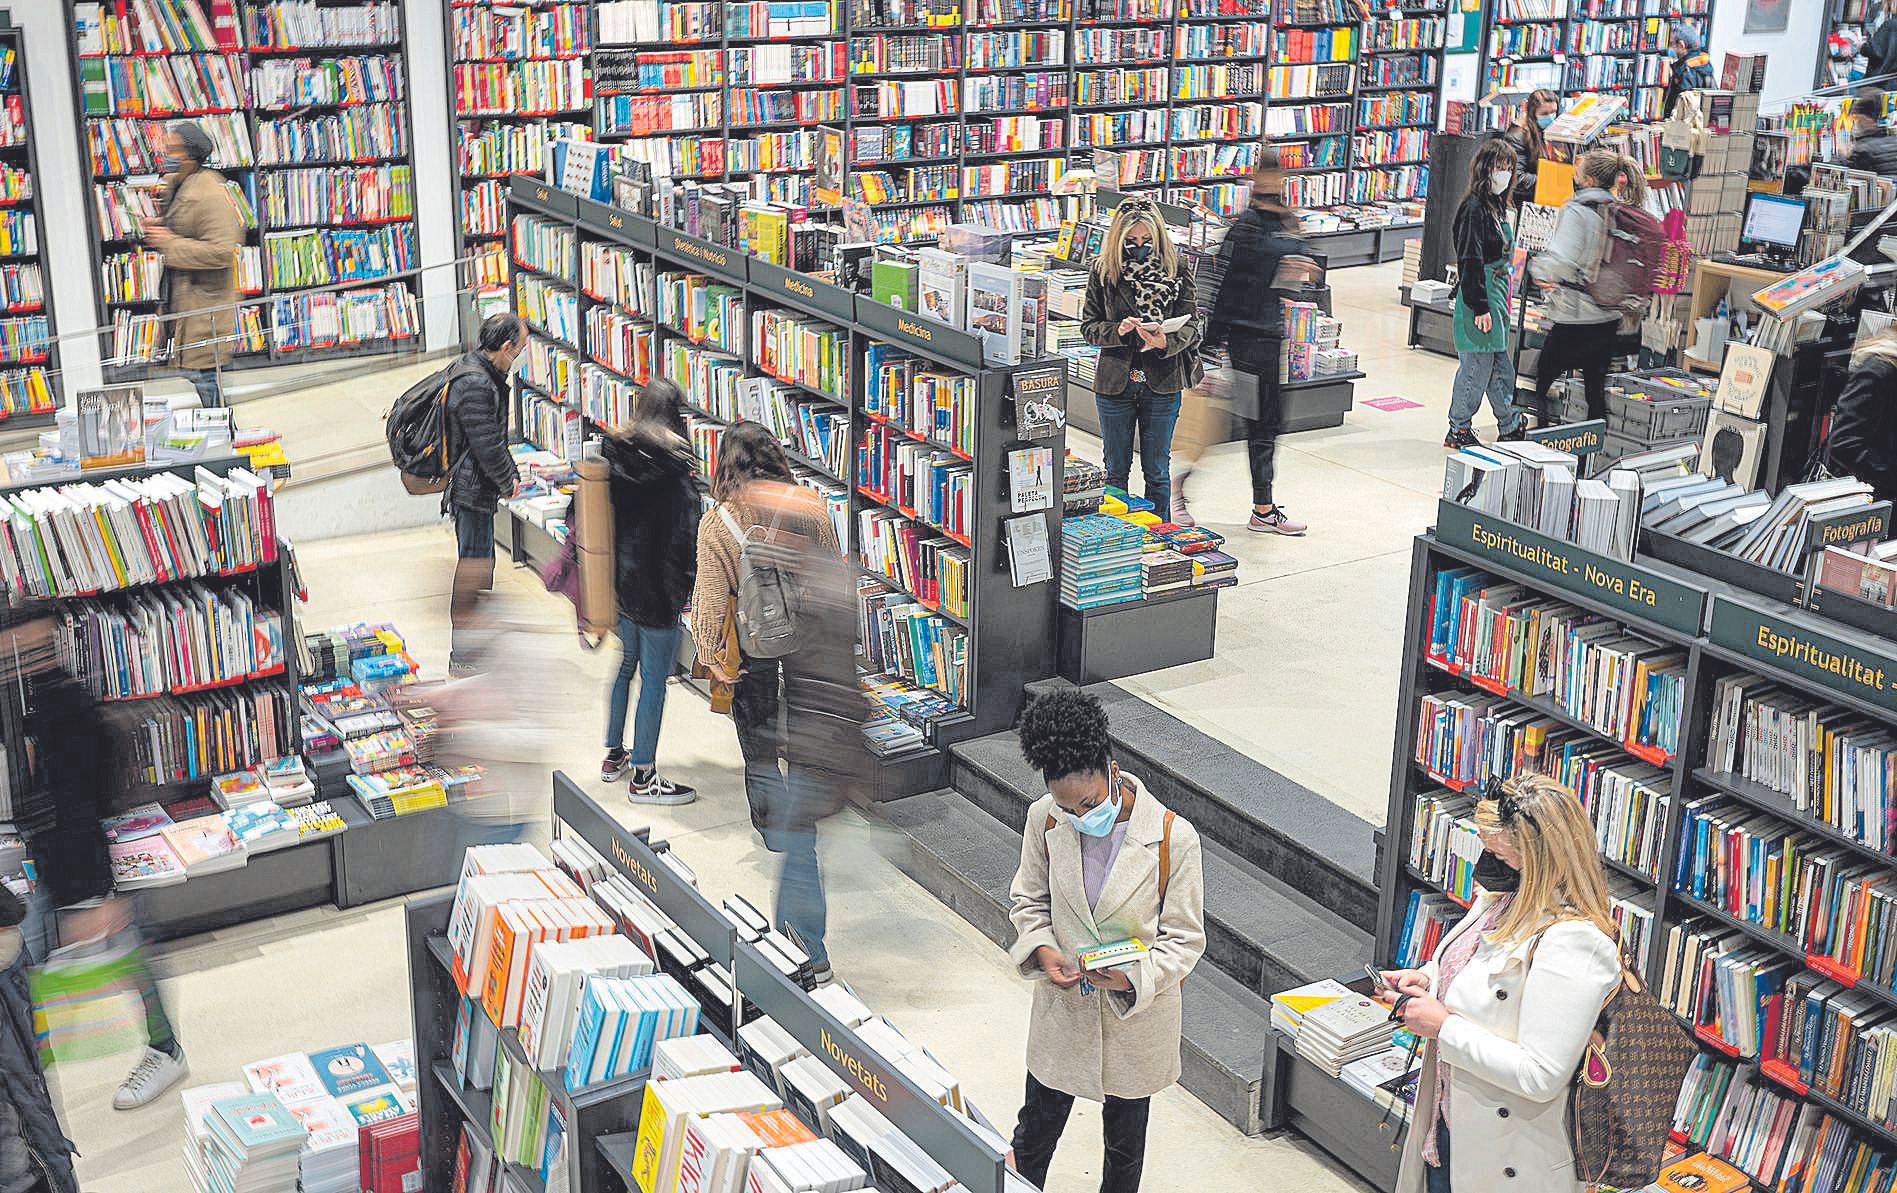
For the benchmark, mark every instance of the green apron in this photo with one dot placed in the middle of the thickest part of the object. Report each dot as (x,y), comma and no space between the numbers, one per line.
(1468,338)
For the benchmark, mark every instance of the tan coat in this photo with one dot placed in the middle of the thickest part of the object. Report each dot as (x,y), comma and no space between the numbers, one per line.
(200,280)
(1092,1045)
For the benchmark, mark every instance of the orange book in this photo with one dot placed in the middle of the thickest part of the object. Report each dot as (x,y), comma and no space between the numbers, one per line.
(777,1128)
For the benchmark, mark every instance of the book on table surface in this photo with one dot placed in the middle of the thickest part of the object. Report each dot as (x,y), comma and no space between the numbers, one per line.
(146,820)
(144,863)
(205,845)
(255,1125)
(349,1070)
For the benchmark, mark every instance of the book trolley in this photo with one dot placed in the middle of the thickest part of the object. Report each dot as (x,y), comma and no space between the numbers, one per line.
(1667,791)
(599,1122)
(308,109)
(29,359)
(613,299)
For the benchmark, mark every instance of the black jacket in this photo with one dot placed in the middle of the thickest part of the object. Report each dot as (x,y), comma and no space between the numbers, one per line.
(1863,439)
(655,528)
(1526,164)
(1874,149)
(1880,56)
(482,471)
(1247,320)
(1479,244)
(32,1146)
(76,757)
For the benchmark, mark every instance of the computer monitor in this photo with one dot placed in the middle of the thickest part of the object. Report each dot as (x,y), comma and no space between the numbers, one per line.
(1773,221)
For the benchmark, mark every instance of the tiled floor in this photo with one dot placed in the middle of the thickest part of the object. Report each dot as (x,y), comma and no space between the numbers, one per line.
(1304,680)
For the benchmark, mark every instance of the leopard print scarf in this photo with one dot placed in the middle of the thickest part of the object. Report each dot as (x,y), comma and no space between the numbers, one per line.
(1154,290)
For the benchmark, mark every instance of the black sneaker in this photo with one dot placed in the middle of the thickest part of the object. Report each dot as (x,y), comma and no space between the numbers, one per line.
(1461,439)
(615,766)
(651,787)
(1517,435)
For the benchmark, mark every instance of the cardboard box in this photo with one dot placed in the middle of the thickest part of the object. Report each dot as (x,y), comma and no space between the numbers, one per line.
(593,529)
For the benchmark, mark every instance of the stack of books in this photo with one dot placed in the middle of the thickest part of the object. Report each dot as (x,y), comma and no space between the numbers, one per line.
(1083,486)
(620,1019)
(1288,1007)
(1164,571)
(1337,1033)
(1214,569)
(1100,561)
(251,1147)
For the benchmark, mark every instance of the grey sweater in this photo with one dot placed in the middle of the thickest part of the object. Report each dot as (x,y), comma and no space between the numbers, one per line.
(1572,255)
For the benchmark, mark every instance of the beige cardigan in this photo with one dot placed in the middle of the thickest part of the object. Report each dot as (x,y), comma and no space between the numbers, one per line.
(1093,1045)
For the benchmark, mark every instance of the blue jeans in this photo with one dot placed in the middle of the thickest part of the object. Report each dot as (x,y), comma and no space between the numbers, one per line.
(652,650)
(206,383)
(800,901)
(473,575)
(1154,414)
(1436,1179)
(1478,373)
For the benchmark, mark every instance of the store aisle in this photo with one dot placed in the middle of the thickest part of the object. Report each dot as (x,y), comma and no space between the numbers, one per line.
(321,977)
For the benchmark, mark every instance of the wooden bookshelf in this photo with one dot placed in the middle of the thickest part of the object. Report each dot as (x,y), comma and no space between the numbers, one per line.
(29,364)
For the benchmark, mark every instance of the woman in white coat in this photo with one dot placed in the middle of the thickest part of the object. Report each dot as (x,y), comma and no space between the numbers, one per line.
(1508,1002)
(1101,861)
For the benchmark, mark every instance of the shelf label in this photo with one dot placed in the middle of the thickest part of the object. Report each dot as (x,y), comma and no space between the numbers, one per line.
(1625,587)
(703,254)
(926,336)
(623,226)
(812,294)
(1780,642)
(1579,439)
(548,198)
(1870,524)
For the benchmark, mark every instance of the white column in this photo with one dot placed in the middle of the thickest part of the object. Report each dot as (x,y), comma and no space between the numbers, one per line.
(431,141)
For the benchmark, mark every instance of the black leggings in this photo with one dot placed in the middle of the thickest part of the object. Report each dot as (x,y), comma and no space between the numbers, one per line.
(1044,1117)
(1584,346)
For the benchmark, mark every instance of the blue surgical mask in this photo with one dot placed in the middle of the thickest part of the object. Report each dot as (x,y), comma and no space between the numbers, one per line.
(1544,121)
(1136,253)
(1097,821)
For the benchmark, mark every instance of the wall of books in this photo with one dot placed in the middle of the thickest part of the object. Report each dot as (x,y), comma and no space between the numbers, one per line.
(28,359)
(1587,47)
(307,105)
(1735,757)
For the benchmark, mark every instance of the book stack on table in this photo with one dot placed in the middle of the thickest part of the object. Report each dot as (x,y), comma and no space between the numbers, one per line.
(1337,1033)
(1100,561)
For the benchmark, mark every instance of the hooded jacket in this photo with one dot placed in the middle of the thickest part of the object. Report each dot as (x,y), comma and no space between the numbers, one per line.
(1572,256)
(655,527)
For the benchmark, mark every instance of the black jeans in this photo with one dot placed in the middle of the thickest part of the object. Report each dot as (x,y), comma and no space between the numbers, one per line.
(1043,1117)
(1261,437)
(1584,346)
(473,575)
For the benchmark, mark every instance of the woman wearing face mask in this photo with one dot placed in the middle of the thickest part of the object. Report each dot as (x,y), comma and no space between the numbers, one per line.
(1135,287)
(1690,68)
(1525,137)
(1483,241)
(1508,1002)
(1101,861)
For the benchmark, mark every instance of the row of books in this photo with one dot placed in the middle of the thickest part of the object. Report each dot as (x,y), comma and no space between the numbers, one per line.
(320,256)
(171,86)
(921,398)
(552,308)
(338,195)
(1767,1132)
(481,33)
(914,557)
(297,25)
(285,84)
(347,318)
(146,26)
(626,346)
(353,134)
(181,739)
(173,641)
(902,637)
(521,88)
(929,484)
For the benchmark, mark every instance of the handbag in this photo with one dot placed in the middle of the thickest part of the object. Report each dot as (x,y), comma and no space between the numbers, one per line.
(1622,1095)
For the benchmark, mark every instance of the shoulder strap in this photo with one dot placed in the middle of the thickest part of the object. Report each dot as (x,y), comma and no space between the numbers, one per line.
(731,524)
(1165,860)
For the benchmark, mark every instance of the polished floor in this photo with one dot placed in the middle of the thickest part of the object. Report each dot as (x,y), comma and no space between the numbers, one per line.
(1304,680)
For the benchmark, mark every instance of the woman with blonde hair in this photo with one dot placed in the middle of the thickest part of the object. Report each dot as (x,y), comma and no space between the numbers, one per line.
(1137,285)
(1581,334)
(1508,1002)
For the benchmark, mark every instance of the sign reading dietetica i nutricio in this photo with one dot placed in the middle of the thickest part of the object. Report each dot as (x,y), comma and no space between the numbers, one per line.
(1616,583)
(1854,670)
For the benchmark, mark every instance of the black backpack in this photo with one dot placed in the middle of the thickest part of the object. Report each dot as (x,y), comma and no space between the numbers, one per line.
(417,430)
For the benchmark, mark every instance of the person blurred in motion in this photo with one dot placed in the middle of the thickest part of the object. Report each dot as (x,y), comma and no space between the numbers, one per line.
(1261,257)
(1863,438)
(1524,136)
(1102,861)
(1484,240)
(1880,51)
(1690,68)
(779,534)
(79,774)
(35,1155)
(480,469)
(655,563)
(1582,334)
(197,231)
(1873,148)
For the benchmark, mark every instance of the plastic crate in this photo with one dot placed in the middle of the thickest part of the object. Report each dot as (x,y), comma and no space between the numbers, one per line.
(1671,418)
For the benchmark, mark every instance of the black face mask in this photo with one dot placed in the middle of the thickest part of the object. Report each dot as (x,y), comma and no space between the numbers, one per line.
(1494,874)
(1136,253)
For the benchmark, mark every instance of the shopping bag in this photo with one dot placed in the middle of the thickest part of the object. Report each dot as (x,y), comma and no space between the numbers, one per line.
(86,1002)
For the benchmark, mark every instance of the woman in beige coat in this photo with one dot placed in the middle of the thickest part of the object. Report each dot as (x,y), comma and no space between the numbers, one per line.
(1101,861)
(1508,1003)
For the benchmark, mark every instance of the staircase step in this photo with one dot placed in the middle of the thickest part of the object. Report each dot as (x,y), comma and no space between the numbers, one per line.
(1264,933)
(967,858)
(1279,826)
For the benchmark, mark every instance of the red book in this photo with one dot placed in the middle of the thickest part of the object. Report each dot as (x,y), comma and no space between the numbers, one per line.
(388,1155)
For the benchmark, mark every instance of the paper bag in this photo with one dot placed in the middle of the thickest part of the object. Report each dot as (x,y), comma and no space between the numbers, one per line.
(593,528)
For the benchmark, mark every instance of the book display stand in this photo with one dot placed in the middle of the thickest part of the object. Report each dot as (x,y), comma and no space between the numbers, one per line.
(1692,773)
(307,107)
(926,518)
(599,1123)
(29,360)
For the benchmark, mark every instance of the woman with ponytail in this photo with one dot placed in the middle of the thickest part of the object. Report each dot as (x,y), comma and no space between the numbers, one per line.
(1581,334)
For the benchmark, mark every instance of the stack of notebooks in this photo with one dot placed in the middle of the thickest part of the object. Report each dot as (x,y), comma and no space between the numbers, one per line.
(1774,533)
(251,1143)
(1541,488)
(1100,561)
(1337,1033)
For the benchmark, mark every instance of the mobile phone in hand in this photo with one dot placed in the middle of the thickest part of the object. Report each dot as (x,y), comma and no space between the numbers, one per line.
(1376,979)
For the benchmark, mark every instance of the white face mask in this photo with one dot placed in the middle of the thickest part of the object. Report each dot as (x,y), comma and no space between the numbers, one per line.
(1499,180)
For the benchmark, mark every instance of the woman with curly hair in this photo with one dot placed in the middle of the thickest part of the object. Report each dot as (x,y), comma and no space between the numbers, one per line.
(1125,868)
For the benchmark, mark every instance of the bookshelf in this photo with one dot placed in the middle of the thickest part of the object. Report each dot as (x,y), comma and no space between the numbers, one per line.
(29,360)
(599,1121)
(1586,47)
(1849,21)
(1648,786)
(845,382)
(307,105)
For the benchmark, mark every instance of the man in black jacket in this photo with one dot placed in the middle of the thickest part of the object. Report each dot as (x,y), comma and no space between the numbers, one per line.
(1880,52)
(480,469)
(1873,147)
(1863,440)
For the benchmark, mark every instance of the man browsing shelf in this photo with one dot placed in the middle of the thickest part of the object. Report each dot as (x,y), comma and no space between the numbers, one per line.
(480,469)
(197,231)
(1103,863)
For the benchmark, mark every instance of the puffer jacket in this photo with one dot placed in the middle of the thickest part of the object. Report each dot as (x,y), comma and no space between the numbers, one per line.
(34,1153)
(482,471)
(1874,149)
(655,527)
(1572,255)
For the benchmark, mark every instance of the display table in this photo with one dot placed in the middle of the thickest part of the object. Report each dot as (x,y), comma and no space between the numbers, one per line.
(1113,641)
(1364,246)
(273,883)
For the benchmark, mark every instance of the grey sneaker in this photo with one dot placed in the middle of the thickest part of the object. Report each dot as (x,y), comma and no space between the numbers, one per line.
(1275,522)
(1181,516)
(654,788)
(156,1072)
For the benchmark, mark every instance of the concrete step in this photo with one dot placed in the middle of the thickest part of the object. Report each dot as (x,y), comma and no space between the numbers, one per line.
(1280,827)
(967,859)
(1259,930)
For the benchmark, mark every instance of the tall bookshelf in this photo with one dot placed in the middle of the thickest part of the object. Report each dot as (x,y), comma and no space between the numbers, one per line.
(1647,787)
(1587,47)
(307,106)
(1398,98)
(1842,17)
(29,360)
(612,299)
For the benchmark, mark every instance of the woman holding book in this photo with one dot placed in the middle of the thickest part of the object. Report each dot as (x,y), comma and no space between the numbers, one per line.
(1103,863)
(655,561)
(1484,240)
(1509,1001)
(1142,312)
(1525,135)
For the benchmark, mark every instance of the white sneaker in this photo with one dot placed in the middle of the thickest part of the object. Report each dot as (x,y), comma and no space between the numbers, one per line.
(156,1072)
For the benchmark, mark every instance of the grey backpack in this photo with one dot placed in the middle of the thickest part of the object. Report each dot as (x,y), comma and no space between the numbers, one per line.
(770,592)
